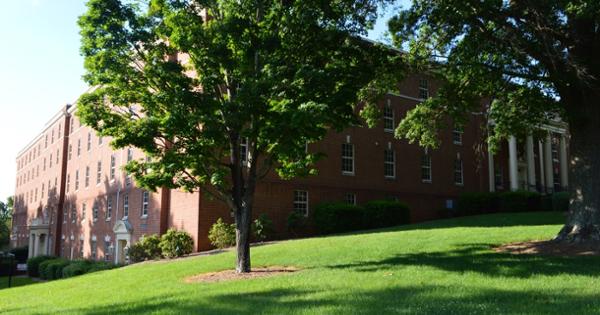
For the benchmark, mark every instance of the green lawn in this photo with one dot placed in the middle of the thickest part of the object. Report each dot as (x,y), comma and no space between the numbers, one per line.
(437,267)
(16,282)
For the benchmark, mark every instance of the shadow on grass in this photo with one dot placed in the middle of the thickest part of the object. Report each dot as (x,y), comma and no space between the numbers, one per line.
(480,258)
(408,299)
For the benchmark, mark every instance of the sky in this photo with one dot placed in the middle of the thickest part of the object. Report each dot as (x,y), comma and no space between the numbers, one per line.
(41,70)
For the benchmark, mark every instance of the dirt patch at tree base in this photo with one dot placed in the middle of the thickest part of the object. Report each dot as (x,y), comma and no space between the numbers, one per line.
(551,248)
(229,275)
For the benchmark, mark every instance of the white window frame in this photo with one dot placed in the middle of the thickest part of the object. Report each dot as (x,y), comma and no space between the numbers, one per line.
(457,136)
(113,165)
(87,176)
(391,163)
(99,173)
(348,158)
(388,117)
(459,162)
(145,203)
(301,202)
(423,89)
(108,215)
(125,206)
(350,198)
(426,166)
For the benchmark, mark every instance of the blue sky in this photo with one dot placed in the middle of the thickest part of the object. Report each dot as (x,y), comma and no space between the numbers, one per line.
(41,69)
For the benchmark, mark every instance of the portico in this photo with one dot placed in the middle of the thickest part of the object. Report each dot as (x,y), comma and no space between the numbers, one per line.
(39,238)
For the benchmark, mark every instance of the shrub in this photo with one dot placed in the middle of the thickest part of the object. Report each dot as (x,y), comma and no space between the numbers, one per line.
(477,203)
(77,268)
(221,234)
(176,243)
(20,253)
(262,227)
(148,247)
(519,201)
(337,217)
(33,265)
(384,213)
(101,265)
(53,268)
(296,222)
(560,201)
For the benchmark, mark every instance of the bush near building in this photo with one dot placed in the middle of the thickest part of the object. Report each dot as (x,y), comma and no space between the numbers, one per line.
(512,201)
(338,217)
(221,234)
(176,243)
(147,248)
(33,265)
(262,228)
(52,269)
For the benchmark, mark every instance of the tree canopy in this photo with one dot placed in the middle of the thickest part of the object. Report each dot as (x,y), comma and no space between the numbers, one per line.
(218,92)
(535,61)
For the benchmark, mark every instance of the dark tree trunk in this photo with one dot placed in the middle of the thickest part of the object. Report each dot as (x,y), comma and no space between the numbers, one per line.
(242,239)
(583,222)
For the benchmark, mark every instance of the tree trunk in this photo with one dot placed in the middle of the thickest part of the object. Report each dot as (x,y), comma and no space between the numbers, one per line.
(242,238)
(583,222)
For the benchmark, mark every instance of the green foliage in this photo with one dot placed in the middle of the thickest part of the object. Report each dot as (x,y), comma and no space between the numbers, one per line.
(262,227)
(560,201)
(176,243)
(296,223)
(33,264)
(52,269)
(337,217)
(5,222)
(384,213)
(77,268)
(511,201)
(221,234)
(148,247)
(472,203)
(518,201)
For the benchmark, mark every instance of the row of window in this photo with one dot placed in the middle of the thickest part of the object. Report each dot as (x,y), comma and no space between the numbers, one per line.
(37,150)
(32,195)
(389,164)
(108,213)
(107,250)
(34,173)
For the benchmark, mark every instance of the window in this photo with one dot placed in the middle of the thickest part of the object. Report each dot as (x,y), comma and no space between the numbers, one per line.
(78,147)
(350,198)
(107,250)
(244,150)
(50,162)
(347,158)
(81,248)
(76,180)
(457,134)
(70,152)
(44,167)
(301,202)
(125,206)
(426,168)
(68,182)
(87,176)
(423,88)
(95,212)
(108,208)
(89,141)
(45,144)
(59,131)
(43,191)
(73,213)
(389,163)
(145,200)
(100,140)
(112,166)
(52,139)
(72,125)
(388,117)
(65,214)
(57,155)
(99,172)
(83,210)
(93,248)
(458,171)
(129,154)
(498,177)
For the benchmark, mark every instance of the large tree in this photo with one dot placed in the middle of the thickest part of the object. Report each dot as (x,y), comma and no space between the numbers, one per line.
(219,92)
(6,221)
(535,59)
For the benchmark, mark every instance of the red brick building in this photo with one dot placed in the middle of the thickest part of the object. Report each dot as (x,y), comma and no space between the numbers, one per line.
(73,199)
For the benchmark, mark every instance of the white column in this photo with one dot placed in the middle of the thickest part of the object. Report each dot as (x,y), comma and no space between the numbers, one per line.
(35,245)
(564,170)
(491,172)
(530,164)
(512,163)
(548,164)
(31,245)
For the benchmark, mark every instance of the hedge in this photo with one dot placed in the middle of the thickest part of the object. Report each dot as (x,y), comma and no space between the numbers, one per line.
(338,217)
(52,269)
(513,201)
(21,254)
(33,265)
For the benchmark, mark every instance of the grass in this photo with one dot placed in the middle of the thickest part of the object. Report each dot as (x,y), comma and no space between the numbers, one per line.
(15,282)
(437,267)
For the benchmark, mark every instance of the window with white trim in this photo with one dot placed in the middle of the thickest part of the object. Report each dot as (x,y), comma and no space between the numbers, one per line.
(423,88)
(107,251)
(389,163)
(78,147)
(350,198)
(301,202)
(145,201)
(388,117)
(76,180)
(99,172)
(83,211)
(95,212)
(89,141)
(125,205)
(108,208)
(347,158)
(458,171)
(244,151)
(457,134)
(73,213)
(70,152)
(87,176)
(426,168)
(93,248)
(113,163)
